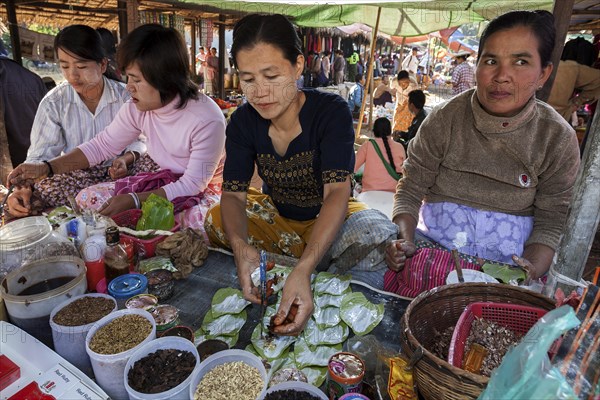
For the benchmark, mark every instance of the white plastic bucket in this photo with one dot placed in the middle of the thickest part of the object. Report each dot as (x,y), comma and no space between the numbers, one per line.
(227,356)
(297,386)
(108,369)
(170,342)
(69,341)
(32,312)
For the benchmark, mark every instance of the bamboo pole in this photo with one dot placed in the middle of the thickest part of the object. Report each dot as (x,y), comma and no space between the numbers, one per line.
(369,73)
(582,219)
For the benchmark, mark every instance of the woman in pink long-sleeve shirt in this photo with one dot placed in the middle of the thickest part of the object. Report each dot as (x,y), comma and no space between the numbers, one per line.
(376,175)
(185,130)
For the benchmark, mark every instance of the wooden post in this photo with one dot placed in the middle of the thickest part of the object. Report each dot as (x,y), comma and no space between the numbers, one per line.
(369,74)
(122,15)
(582,219)
(562,17)
(194,47)
(133,20)
(222,55)
(13,27)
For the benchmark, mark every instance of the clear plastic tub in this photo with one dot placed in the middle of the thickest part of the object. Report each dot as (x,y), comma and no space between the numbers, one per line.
(31,312)
(108,369)
(227,356)
(171,342)
(24,239)
(69,341)
(298,387)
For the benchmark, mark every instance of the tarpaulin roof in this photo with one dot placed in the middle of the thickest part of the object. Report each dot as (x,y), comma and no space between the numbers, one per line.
(399,18)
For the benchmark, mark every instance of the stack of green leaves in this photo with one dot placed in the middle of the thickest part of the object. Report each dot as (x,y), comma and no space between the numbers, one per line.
(225,318)
(337,311)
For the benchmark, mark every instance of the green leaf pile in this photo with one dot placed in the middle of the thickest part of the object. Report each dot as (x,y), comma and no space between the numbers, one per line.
(504,272)
(225,318)
(325,331)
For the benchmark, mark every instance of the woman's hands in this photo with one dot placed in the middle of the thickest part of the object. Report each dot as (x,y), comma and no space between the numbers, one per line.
(246,260)
(28,174)
(19,201)
(296,304)
(296,301)
(118,169)
(397,252)
(117,204)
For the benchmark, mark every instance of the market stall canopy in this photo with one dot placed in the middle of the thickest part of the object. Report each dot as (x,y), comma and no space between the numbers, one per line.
(399,18)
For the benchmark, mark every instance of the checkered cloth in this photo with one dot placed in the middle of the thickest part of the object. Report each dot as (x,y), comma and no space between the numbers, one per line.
(463,78)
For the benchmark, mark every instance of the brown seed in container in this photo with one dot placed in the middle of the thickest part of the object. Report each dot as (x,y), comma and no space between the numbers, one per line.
(120,334)
(161,370)
(235,380)
(84,311)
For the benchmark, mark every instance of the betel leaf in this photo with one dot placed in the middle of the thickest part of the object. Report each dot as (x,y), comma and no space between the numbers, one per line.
(504,272)
(360,314)
(270,347)
(326,317)
(228,324)
(228,301)
(328,283)
(328,336)
(328,300)
(315,375)
(200,336)
(313,356)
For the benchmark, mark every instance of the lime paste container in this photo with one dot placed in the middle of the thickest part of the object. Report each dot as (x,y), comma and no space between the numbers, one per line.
(165,316)
(126,286)
(345,372)
(142,301)
(160,283)
(354,396)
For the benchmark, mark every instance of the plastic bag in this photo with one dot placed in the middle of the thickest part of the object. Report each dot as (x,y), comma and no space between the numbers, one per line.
(157,213)
(526,372)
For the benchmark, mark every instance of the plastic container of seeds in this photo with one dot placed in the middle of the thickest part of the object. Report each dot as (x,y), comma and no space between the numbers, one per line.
(297,386)
(108,368)
(69,341)
(165,343)
(228,356)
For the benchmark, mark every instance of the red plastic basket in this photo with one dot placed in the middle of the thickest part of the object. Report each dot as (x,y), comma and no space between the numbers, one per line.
(518,319)
(145,248)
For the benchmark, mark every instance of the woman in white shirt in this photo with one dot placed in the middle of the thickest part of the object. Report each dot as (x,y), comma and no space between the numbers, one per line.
(73,113)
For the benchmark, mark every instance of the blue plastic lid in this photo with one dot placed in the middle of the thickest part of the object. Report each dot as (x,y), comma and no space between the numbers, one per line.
(128,285)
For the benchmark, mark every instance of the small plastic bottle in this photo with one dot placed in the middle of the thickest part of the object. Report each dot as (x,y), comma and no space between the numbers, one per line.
(116,262)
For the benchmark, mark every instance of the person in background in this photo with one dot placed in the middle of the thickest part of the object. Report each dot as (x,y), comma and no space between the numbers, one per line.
(355,96)
(353,66)
(411,62)
(416,104)
(339,66)
(462,76)
(185,131)
(20,94)
(382,158)
(396,61)
(326,66)
(576,82)
(72,113)
(383,92)
(110,50)
(491,172)
(212,72)
(302,143)
(402,115)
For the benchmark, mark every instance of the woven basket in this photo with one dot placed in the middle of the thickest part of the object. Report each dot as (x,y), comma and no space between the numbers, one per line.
(439,309)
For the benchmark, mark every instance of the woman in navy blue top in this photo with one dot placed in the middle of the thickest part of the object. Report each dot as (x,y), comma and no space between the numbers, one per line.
(302,144)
